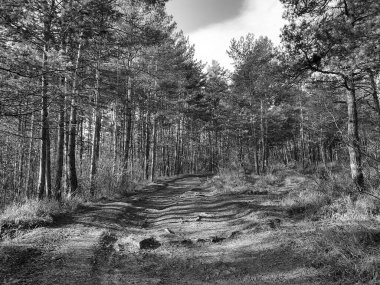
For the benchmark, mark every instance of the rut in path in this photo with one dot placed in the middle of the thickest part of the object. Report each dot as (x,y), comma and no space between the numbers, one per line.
(198,237)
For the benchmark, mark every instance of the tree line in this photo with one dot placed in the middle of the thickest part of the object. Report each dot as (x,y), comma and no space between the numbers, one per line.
(97,94)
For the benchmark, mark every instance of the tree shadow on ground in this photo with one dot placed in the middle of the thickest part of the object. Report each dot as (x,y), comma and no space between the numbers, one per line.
(206,238)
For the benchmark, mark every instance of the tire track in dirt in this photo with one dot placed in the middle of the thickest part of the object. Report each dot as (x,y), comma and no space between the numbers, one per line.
(202,238)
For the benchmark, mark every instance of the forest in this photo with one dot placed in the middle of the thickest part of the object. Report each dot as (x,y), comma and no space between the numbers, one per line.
(99,96)
(95,94)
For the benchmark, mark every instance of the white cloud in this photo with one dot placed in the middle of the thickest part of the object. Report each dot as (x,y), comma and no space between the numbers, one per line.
(260,17)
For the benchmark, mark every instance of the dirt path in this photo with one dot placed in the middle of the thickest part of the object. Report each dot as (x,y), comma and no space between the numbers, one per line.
(193,236)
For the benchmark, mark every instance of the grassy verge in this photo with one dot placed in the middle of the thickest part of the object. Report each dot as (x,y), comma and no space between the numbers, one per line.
(234,182)
(33,213)
(346,241)
(349,252)
(227,182)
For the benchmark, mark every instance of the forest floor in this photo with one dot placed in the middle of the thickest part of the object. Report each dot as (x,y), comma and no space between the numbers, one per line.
(172,232)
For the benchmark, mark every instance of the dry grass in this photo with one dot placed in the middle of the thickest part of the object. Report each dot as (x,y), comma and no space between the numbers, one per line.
(33,213)
(349,252)
(307,203)
(348,239)
(346,245)
(234,181)
(227,181)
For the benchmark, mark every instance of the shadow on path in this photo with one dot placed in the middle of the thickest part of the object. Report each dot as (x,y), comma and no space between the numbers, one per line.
(204,238)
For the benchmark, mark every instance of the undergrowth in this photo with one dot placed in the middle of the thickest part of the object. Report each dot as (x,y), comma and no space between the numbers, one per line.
(346,243)
(235,181)
(31,213)
(34,213)
(227,181)
(349,252)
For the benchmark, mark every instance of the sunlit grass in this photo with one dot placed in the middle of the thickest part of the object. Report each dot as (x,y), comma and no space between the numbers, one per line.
(227,181)
(349,252)
(347,238)
(34,213)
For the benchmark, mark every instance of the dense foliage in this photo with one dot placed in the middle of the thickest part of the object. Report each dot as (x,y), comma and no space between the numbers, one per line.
(98,94)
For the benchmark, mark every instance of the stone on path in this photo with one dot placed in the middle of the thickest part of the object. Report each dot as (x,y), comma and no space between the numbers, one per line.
(149,243)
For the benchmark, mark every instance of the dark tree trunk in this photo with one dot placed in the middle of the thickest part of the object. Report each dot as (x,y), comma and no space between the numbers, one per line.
(353,138)
(96,138)
(60,150)
(73,126)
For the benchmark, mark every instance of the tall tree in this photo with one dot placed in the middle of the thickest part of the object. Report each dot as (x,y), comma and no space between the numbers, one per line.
(336,38)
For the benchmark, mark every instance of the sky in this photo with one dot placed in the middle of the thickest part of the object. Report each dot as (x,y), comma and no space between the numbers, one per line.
(211,24)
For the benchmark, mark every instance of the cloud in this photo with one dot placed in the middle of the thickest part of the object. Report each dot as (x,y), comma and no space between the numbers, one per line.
(192,15)
(262,18)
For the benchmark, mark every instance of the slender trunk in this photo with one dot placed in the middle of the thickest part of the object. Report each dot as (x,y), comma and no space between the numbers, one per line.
(129,123)
(211,153)
(60,150)
(154,150)
(66,177)
(375,94)
(177,150)
(353,138)
(147,147)
(20,168)
(62,119)
(61,143)
(48,163)
(29,161)
(95,150)
(115,139)
(97,129)
(73,126)
(72,148)
(81,141)
(262,135)
(302,134)
(44,129)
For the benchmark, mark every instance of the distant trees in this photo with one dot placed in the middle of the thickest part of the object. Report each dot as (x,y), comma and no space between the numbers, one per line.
(264,98)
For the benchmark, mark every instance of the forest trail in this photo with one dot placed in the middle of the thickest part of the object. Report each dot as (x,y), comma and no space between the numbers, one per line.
(193,235)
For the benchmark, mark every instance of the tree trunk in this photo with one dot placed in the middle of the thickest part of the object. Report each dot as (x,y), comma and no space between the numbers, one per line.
(29,160)
(262,136)
(375,94)
(114,138)
(353,138)
(302,134)
(154,150)
(95,150)
(20,164)
(147,147)
(60,150)
(72,147)
(129,123)
(44,130)
(96,138)
(48,163)
(73,126)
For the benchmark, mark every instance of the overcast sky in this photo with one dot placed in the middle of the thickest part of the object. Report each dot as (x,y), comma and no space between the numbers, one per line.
(211,24)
